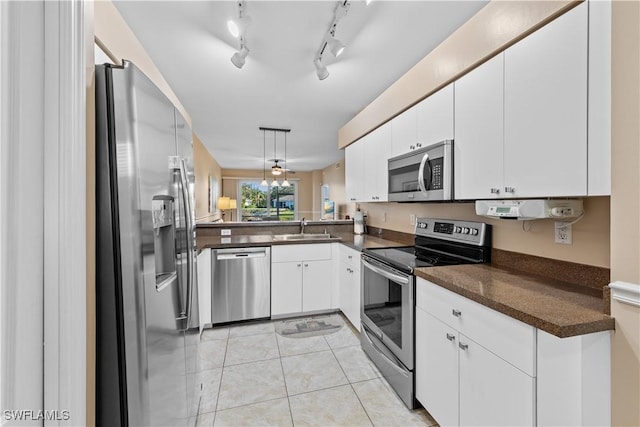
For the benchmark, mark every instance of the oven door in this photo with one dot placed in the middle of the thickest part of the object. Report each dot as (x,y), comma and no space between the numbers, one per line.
(387,307)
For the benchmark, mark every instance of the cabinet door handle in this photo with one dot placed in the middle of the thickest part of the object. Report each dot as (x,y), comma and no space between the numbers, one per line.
(509,190)
(456,313)
(451,337)
(306,265)
(495,191)
(412,147)
(463,346)
(299,265)
(418,145)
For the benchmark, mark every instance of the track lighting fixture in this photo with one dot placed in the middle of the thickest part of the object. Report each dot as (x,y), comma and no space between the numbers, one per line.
(321,70)
(238,28)
(335,46)
(238,59)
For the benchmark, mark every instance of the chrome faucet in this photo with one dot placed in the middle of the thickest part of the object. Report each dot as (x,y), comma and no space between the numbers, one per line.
(302,225)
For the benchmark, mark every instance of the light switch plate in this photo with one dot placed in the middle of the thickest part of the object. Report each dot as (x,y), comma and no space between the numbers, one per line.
(225,232)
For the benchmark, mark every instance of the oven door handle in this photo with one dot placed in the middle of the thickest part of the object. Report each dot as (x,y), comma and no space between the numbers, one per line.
(423,164)
(402,280)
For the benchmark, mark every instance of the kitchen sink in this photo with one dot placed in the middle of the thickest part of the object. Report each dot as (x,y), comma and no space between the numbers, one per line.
(305,236)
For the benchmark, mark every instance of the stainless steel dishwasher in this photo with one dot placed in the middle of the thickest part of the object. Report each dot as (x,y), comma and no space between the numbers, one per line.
(241,279)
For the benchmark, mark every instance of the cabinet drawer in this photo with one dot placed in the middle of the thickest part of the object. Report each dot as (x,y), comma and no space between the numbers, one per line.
(506,337)
(313,252)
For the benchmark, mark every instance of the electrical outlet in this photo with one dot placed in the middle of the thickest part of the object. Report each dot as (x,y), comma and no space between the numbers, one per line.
(412,219)
(225,232)
(563,232)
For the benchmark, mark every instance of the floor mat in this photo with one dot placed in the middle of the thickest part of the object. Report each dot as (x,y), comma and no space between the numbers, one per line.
(309,326)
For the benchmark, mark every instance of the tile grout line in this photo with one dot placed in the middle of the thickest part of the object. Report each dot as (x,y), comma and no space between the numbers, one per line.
(351,385)
(215,412)
(284,380)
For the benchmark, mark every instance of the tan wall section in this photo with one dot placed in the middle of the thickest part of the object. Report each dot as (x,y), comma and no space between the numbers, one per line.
(116,39)
(625,208)
(205,166)
(494,28)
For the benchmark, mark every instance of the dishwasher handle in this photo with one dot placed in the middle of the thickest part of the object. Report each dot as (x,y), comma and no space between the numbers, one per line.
(240,255)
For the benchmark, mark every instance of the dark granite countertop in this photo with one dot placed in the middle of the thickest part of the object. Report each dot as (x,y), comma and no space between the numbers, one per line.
(557,307)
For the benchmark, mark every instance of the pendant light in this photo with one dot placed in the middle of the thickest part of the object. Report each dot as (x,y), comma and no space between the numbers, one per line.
(264,182)
(285,183)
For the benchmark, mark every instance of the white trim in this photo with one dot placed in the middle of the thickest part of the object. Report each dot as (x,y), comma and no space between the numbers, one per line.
(628,293)
(66,209)
(21,203)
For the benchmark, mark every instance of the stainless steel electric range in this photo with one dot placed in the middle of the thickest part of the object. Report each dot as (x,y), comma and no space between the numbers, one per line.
(387,307)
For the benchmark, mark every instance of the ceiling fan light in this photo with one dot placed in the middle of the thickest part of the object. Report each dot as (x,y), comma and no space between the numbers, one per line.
(321,70)
(238,59)
(276,170)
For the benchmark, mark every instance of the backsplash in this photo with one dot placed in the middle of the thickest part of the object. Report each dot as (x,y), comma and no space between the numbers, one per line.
(591,244)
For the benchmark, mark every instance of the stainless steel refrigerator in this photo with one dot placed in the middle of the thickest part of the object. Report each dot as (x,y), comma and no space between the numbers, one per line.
(146,295)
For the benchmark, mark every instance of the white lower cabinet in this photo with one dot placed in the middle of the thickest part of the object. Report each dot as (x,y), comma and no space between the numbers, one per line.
(301,278)
(349,284)
(478,367)
(462,383)
(437,368)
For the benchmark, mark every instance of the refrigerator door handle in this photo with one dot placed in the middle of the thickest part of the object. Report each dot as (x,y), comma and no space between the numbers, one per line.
(190,244)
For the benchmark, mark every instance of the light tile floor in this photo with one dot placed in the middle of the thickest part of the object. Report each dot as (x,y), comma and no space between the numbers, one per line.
(254,377)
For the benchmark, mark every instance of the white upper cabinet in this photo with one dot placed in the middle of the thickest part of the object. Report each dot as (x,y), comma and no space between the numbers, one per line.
(599,138)
(366,166)
(479,144)
(404,128)
(374,174)
(354,170)
(435,118)
(426,123)
(545,110)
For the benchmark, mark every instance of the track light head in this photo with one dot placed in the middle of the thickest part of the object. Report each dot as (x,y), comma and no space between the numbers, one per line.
(238,27)
(321,70)
(238,59)
(335,46)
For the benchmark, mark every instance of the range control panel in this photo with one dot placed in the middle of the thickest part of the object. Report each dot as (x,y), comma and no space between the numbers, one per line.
(470,232)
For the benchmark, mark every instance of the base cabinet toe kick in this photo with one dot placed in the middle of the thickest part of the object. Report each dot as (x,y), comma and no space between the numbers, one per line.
(476,366)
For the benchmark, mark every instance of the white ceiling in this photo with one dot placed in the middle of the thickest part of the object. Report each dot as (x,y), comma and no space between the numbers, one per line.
(278,87)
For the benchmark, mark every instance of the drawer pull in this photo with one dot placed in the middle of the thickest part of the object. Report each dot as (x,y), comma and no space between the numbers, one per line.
(463,346)
(451,337)
(456,313)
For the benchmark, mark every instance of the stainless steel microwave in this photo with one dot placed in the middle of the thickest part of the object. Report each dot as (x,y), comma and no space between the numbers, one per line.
(422,175)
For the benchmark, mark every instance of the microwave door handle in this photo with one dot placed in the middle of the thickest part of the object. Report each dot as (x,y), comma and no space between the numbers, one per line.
(423,164)
(386,274)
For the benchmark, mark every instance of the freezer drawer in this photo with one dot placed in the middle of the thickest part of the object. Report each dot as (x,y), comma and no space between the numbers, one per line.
(241,284)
